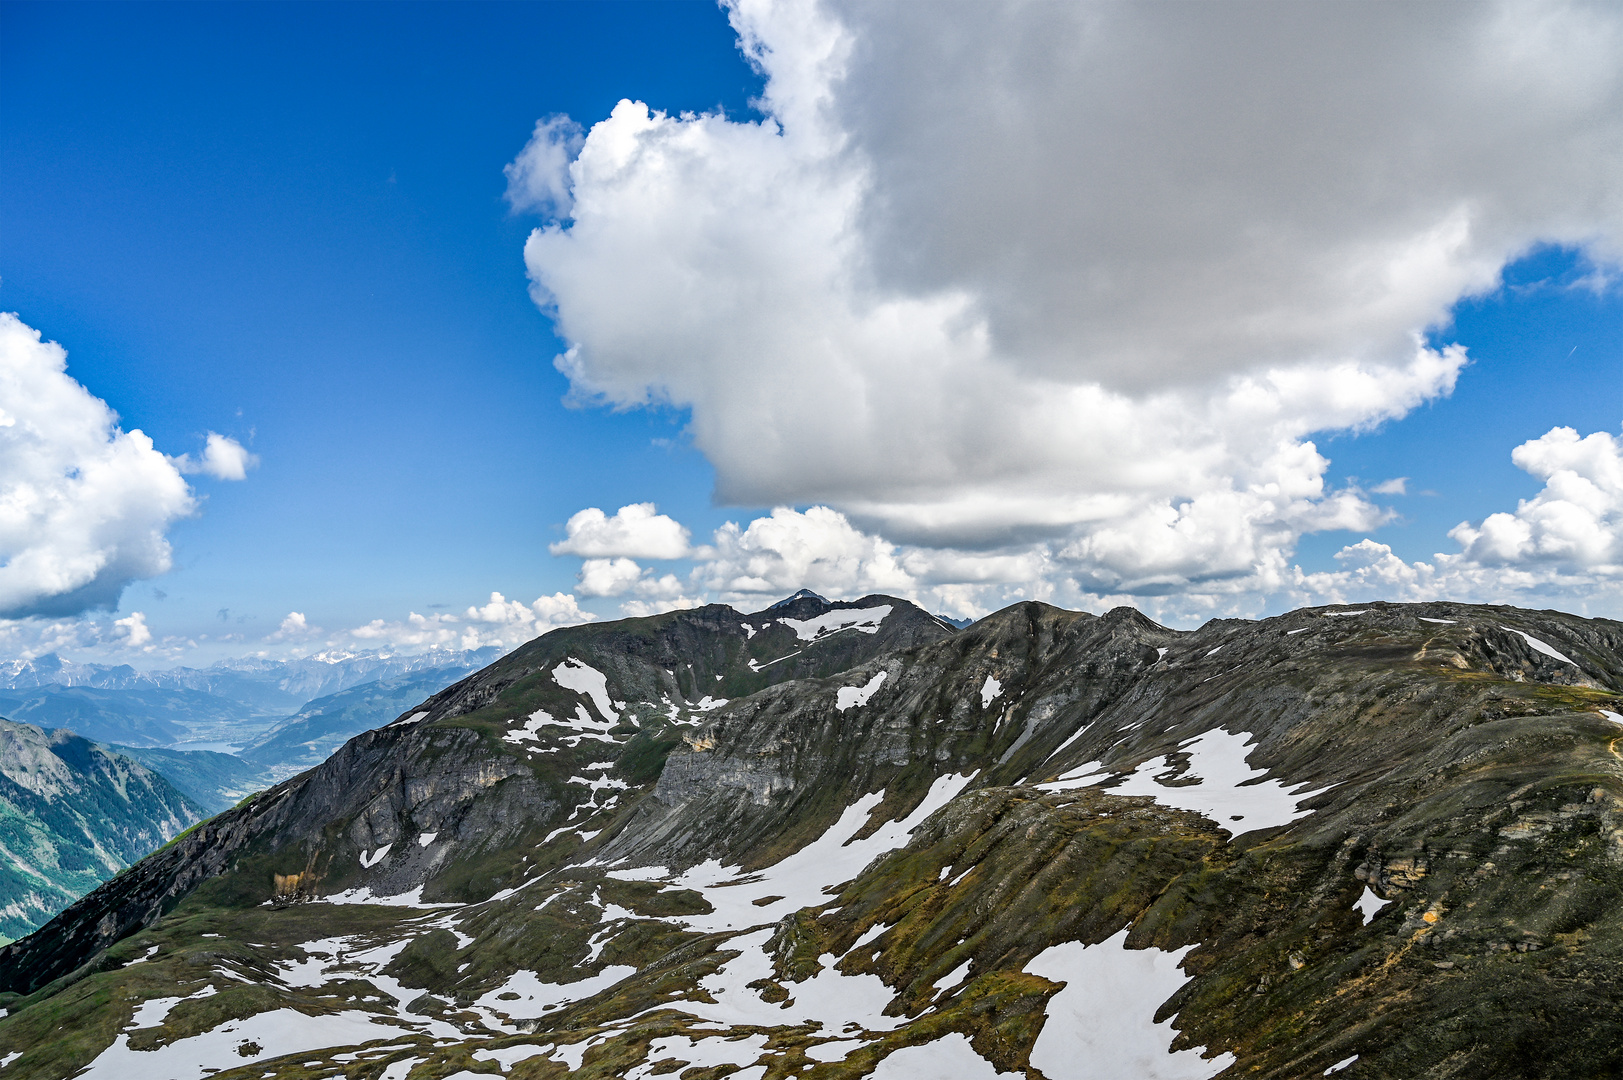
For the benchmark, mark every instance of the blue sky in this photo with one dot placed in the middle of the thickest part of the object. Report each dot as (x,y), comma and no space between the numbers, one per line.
(290,225)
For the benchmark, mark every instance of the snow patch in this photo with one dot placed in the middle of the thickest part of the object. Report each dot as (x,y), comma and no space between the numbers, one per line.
(1218,759)
(953,977)
(1344,614)
(369,861)
(1539,646)
(1101,1025)
(1440,622)
(802,879)
(706,703)
(857,696)
(598,783)
(700,1053)
(866,620)
(281,1031)
(871,934)
(990,689)
(949,1056)
(1616,718)
(508,1056)
(581,677)
(536,997)
(835,1050)
(830,998)
(1370,904)
(639,873)
(1342,1064)
(528,729)
(364,895)
(424,839)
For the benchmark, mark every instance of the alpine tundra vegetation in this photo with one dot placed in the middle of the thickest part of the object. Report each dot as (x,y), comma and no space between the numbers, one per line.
(837,840)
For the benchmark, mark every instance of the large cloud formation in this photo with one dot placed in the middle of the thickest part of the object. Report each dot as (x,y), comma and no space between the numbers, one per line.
(1074,284)
(84,505)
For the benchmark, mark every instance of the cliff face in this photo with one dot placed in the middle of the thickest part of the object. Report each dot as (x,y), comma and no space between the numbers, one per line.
(845,840)
(72,814)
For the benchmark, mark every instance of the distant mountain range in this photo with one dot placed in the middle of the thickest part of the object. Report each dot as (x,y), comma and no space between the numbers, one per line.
(101,764)
(262,686)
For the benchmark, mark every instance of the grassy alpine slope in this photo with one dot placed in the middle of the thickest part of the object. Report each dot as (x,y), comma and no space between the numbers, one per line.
(842,841)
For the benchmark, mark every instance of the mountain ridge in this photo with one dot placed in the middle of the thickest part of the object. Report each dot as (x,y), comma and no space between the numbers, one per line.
(1289,826)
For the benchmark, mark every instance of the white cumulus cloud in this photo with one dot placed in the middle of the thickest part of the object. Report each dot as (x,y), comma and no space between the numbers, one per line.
(608,577)
(499,621)
(1067,285)
(294,627)
(817,549)
(637,609)
(1563,546)
(559,609)
(224,458)
(133,630)
(1575,522)
(637,531)
(84,505)
(104,637)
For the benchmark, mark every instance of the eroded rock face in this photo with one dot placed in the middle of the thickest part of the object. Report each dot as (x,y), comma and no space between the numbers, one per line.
(809,840)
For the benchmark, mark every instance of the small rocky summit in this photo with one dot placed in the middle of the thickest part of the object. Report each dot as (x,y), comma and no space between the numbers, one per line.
(838,840)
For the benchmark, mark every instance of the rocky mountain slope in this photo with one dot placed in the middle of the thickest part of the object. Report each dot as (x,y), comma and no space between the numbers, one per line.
(71,815)
(848,840)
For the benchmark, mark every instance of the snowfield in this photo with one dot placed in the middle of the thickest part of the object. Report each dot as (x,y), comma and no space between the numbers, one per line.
(1230,792)
(865,620)
(1101,1026)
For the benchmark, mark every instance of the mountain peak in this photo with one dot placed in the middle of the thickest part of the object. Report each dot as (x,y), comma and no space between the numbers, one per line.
(803,594)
